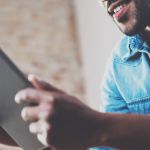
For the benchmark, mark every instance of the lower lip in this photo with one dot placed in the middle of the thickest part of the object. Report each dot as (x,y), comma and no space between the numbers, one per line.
(120,13)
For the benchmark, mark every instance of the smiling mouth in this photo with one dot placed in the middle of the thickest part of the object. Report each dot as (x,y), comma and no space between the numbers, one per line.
(118,9)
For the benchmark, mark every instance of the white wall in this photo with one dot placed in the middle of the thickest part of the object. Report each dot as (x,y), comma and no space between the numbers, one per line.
(97,36)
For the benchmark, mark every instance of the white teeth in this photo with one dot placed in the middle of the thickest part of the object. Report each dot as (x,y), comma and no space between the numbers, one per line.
(117,8)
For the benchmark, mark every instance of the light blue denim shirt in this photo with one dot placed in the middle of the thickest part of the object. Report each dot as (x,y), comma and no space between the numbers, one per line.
(126,84)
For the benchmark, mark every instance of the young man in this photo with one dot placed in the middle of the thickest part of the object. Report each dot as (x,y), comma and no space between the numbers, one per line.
(125,87)
(64,123)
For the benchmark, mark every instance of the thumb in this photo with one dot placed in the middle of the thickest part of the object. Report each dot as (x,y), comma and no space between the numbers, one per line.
(35,81)
(42,85)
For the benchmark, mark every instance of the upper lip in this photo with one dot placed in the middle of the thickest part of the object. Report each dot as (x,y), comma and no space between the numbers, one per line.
(113,6)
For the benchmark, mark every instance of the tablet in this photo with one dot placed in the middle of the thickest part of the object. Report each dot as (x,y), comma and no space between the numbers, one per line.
(11,81)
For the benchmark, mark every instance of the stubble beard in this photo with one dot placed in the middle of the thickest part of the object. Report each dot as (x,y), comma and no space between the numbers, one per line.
(139,22)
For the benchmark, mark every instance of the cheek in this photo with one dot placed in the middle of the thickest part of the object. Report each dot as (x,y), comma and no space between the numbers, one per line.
(130,22)
(130,27)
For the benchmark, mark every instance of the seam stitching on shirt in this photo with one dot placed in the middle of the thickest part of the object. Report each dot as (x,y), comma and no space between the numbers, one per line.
(139,101)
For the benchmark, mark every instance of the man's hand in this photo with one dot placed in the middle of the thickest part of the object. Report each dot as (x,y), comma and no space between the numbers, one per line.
(64,123)
(58,119)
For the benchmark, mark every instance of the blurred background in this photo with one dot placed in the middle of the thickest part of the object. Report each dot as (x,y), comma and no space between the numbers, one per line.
(65,42)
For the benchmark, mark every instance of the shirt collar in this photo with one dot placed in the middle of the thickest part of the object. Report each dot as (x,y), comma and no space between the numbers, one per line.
(138,44)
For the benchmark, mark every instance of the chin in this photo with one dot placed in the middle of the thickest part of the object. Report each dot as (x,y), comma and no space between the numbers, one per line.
(133,30)
(130,26)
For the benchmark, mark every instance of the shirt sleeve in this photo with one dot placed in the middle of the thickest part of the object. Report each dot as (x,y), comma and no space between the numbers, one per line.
(111,99)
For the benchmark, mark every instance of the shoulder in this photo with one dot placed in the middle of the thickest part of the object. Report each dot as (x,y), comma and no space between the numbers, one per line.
(122,54)
(121,49)
(117,57)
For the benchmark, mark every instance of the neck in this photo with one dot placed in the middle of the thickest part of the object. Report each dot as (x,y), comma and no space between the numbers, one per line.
(146,34)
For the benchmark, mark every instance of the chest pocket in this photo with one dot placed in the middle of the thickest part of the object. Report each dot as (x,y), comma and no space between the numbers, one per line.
(133,83)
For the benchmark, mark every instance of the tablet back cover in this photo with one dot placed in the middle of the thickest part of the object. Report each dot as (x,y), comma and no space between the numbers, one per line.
(11,81)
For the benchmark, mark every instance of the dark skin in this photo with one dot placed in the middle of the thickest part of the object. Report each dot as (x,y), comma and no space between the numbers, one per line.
(70,124)
(63,122)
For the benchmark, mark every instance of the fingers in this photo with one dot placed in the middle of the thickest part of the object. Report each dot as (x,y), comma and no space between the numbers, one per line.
(41,129)
(30,114)
(39,118)
(42,85)
(42,138)
(31,95)
(41,112)
(35,81)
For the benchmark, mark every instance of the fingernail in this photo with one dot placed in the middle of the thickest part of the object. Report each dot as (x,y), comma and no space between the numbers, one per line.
(32,128)
(17,99)
(24,114)
(31,77)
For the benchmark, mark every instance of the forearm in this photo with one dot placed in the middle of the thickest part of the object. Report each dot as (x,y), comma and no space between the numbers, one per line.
(126,132)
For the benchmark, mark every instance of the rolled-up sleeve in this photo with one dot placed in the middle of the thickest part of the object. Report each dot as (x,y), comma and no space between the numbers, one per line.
(111,99)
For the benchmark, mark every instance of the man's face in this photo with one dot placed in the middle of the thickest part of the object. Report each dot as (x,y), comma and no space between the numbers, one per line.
(131,16)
